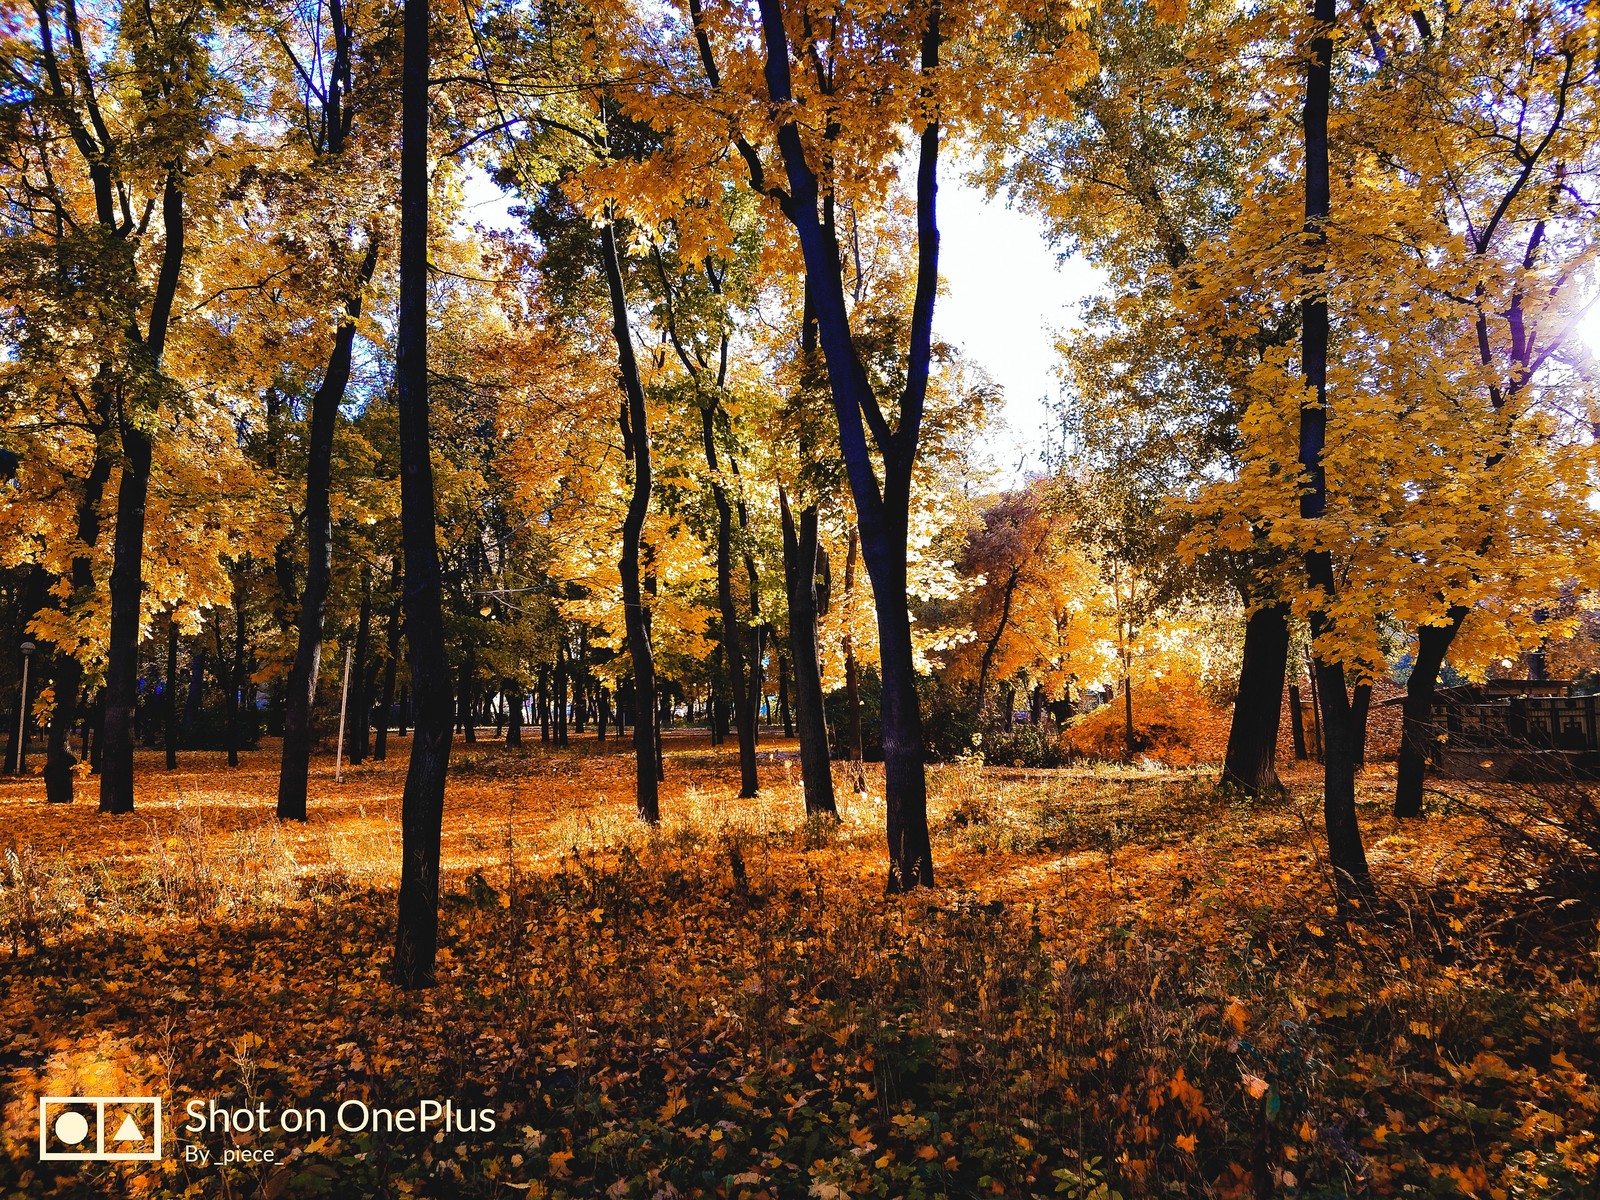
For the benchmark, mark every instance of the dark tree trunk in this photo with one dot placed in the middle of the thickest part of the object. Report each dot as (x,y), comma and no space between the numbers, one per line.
(636,445)
(800,582)
(235,682)
(784,713)
(121,692)
(467,712)
(732,643)
(422,806)
(391,661)
(513,693)
(1346,853)
(560,723)
(1297,722)
(360,714)
(59,759)
(1360,706)
(602,713)
(1127,710)
(852,686)
(542,703)
(882,509)
(169,694)
(295,763)
(1251,764)
(1416,712)
(1008,701)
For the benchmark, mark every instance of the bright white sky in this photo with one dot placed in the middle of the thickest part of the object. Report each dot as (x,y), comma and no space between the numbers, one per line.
(1004,302)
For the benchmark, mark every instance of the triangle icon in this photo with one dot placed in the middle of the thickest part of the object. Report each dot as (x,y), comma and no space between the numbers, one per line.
(128,1131)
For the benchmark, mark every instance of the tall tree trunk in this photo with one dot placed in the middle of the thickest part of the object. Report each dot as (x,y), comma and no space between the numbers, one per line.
(785,714)
(235,670)
(800,582)
(732,643)
(560,725)
(391,659)
(1297,722)
(169,694)
(636,445)
(121,692)
(1360,706)
(1416,712)
(883,510)
(852,684)
(359,714)
(295,763)
(1128,739)
(466,709)
(1346,853)
(602,712)
(422,806)
(1251,763)
(195,697)
(514,697)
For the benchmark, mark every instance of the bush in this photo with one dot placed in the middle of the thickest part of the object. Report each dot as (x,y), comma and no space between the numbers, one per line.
(1026,746)
(1174,722)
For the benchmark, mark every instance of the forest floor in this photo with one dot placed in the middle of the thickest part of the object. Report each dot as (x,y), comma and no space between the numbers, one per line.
(1123,985)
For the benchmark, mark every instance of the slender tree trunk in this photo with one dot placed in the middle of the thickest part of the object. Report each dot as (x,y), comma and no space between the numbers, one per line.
(636,444)
(1251,764)
(1416,728)
(852,684)
(513,692)
(882,508)
(1127,710)
(732,643)
(236,672)
(563,673)
(784,713)
(1297,722)
(169,694)
(466,709)
(391,658)
(295,763)
(602,712)
(800,581)
(1346,853)
(422,806)
(1360,706)
(360,694)
(543,704)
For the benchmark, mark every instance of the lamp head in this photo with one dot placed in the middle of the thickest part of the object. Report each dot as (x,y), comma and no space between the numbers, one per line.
(27,648)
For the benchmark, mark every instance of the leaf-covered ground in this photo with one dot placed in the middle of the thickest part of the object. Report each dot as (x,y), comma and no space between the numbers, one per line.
(1123,985)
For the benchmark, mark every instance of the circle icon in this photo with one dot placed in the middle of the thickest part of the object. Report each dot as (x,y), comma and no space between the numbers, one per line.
(72,1127)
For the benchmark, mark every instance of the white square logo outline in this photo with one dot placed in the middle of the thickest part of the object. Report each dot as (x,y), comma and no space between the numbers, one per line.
(99,1153)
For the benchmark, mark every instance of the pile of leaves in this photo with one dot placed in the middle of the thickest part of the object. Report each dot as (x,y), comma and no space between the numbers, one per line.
(1122,987)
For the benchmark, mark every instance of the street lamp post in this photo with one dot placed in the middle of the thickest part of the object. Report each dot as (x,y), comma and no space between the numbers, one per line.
(27,649)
